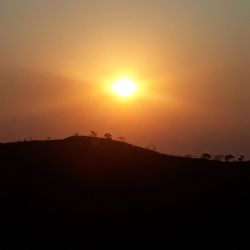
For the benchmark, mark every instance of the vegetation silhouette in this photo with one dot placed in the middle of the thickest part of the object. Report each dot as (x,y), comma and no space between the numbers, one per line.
(93,134)
(229,157)
(108,136)
(241,158)
(206,156)
(58,186)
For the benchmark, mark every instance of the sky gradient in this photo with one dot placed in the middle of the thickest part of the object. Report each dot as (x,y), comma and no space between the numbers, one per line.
(190,58)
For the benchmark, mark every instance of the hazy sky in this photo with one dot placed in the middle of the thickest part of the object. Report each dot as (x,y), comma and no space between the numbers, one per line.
(190,58)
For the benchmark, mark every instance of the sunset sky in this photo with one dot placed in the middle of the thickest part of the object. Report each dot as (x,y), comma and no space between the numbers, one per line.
(190,60)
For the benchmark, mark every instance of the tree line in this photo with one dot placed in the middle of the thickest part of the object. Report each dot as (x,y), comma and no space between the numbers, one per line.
(227,158)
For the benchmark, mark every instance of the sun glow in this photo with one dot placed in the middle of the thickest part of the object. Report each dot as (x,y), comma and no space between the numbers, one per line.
(124,87)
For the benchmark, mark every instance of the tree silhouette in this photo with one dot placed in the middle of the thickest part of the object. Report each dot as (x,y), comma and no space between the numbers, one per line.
(229,157)
(108,136)
(93,134)
(241,158)
(206,156)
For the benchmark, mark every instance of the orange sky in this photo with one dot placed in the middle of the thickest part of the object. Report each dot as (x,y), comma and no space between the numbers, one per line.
(190,59)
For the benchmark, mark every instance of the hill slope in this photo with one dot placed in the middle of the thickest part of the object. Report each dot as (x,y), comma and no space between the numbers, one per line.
(83,181)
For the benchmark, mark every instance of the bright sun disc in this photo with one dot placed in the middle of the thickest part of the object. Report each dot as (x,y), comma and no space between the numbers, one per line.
(124,87)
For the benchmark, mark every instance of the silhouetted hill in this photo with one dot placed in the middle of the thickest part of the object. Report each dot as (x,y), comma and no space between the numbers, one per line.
(84,183)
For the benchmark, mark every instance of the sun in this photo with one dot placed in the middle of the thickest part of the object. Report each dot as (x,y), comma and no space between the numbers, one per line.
(124,87)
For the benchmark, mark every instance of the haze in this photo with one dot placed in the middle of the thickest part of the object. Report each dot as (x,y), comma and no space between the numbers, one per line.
(191,59)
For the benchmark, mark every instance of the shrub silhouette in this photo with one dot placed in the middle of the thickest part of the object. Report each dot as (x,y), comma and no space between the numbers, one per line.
(229,157)
(241,158)
(108,136)
(206,156)
(93,134)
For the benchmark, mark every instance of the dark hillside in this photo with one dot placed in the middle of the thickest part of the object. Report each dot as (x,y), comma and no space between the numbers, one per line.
(84,182)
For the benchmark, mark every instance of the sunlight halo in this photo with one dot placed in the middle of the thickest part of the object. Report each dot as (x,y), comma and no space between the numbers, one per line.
(124,87)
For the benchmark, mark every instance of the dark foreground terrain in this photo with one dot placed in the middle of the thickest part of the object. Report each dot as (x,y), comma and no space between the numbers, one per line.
(90,191)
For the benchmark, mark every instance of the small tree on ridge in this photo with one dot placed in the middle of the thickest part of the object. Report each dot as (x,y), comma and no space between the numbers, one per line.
(206,156)
(108,136)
